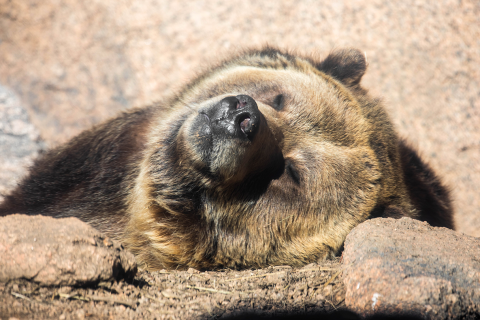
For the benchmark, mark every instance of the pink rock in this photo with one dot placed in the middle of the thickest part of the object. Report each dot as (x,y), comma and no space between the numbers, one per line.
(59,252)
(406,267)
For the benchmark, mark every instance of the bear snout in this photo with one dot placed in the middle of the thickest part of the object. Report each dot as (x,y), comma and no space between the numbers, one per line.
(232,138)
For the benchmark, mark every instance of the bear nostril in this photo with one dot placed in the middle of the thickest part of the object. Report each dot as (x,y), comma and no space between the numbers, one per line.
(241,104)
(245,125)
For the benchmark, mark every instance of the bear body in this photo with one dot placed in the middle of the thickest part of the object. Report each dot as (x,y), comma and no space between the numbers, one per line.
(266,159)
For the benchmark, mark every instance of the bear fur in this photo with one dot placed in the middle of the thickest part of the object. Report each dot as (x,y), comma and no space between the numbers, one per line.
(267,158)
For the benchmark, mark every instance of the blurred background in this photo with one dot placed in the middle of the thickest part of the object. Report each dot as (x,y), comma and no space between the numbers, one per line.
(66,65)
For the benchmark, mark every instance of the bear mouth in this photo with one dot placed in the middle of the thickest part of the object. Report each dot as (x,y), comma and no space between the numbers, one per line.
(206,117)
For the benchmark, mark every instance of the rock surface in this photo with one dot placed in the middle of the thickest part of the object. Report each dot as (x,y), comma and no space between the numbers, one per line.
(59,252)
(406,267)
(20,141)
(76,63)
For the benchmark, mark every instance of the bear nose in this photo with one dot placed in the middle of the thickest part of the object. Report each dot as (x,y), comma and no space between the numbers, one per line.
(235,116)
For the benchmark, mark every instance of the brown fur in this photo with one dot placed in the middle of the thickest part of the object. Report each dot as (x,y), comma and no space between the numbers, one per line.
(325,158)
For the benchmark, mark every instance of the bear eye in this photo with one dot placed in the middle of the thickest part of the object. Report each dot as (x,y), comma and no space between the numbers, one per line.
(278,102)
(292,172)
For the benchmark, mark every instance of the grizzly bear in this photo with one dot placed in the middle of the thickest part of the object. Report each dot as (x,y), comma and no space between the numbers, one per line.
(268,158)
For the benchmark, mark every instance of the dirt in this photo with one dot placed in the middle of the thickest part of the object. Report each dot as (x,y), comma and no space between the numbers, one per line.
(227,294)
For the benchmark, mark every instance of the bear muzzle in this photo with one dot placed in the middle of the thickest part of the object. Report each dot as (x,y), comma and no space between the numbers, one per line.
(233,141)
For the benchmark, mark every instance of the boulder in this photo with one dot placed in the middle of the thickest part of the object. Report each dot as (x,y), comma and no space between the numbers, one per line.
(20,141)
(408,268)
(63,251)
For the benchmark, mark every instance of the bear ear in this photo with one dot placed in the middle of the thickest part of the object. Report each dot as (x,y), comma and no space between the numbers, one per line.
(346,65)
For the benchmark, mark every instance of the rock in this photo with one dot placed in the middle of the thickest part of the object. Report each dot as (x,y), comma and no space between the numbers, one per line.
(76,63)
(59,252)
(19,140)
(406,267)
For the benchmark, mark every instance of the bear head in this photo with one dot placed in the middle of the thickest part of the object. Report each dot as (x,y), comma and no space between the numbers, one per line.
(266,159)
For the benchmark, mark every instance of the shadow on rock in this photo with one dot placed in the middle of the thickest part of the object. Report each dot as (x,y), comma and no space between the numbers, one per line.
(339,314)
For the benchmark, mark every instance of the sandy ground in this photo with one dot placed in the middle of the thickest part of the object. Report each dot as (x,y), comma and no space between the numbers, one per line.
(277,291)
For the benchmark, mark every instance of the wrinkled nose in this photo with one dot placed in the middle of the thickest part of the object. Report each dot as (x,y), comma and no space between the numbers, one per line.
(235,116)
